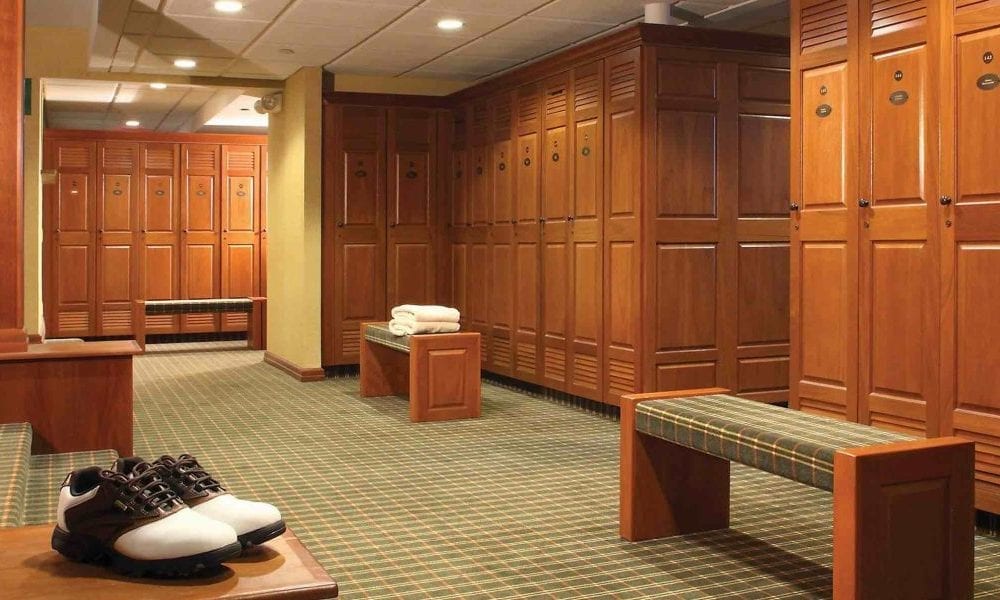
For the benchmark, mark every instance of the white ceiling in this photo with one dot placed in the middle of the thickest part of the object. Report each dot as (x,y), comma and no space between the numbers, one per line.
(103,105)
(399,38)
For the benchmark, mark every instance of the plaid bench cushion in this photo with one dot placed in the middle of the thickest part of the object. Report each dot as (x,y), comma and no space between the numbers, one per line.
(380,334)
(778,440)
(207,305)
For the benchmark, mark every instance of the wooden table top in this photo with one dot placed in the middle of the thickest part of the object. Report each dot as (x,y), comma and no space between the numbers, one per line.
(281,568)
(73,350)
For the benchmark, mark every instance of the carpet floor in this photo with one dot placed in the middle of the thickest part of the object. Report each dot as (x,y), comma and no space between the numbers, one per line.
(521,503)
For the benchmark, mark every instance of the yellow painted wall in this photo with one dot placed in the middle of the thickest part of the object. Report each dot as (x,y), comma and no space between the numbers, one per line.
(294,221)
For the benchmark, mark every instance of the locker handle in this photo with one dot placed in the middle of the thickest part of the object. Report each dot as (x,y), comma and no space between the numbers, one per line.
(793,207)
(571,218)
(339,224)
(513,221)
(863,203)
(945,200)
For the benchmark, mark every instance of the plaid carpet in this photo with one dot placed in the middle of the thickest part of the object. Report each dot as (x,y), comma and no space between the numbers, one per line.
(521,503)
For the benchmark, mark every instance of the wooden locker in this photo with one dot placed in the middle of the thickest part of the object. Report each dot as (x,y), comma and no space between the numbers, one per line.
(527,234)
(585,344)
(412,190)
(240,252)
(200,231)
(160,231)
(969,213)
(459,220)
(623,214)
(263,221)
(501,223)
(824,206)
(117,223)
(899,210)
(556,262)
(480,278)
(355,138)
(71,232)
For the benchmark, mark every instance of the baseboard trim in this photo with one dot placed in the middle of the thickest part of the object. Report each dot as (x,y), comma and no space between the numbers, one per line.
(34,338)
(302,374)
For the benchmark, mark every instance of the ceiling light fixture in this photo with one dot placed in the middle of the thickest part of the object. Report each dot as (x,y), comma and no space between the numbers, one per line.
(185,63)
(228,6)
(450,24)
(132,123)
(156,85)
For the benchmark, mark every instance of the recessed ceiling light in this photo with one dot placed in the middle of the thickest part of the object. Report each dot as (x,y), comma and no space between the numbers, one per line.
(228,6)
(156,85)
(450,24)
(185,63)
(132,123)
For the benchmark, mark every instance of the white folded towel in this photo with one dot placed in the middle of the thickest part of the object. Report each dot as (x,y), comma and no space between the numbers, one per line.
(411,327)
(429,312)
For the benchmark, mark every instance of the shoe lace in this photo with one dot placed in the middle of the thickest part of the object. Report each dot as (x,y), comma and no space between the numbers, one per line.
(197,477)
(144,488)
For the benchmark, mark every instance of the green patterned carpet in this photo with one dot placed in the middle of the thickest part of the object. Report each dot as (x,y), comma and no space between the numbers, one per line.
(521,503)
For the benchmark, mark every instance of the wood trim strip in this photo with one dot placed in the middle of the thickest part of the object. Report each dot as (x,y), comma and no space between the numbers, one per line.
(303,374)
(12,336)
(155,136)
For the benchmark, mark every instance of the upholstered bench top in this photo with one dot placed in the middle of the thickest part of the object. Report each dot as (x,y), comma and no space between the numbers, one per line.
(380,334)
(207,305)
(779,440)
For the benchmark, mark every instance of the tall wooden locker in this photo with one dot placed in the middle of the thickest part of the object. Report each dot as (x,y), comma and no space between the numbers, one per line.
(160,230)
(117,250)
(240,249)
(969,217)
(459,210)
(586,267)
(479,267)
(412,211)
(623,225)
(501,244)
(72,231)
(527,235)
(355,138)
(201,197)
(824,208)
(556,260)
(263,221)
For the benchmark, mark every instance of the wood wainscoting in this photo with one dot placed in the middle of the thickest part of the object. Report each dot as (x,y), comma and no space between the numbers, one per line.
(303,374)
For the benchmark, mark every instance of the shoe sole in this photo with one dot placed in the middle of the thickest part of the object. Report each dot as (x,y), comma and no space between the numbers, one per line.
(259,536)
(83,548)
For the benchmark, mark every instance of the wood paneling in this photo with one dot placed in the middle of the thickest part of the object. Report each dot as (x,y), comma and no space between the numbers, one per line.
(160,214)
(117,221)
(201,197)
(12,335)
(527,235)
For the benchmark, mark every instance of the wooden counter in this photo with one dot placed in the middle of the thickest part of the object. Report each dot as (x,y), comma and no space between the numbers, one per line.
(76,395)
(281,568)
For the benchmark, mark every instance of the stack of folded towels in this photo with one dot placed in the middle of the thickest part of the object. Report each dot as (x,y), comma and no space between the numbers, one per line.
(411,319)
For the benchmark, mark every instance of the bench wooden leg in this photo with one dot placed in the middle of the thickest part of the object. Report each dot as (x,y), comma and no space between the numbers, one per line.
(384,371)
(139,323)
(257,324)
(903,520)
(668,489)
(444,377)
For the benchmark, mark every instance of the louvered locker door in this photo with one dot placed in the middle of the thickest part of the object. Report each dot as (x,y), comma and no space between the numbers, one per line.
(200,216)
(160,217)
(501,237)
(527,235)
(240,269)
(117,223)
(412,178)
(459,220)
(72,229)
(557,297)
(898,246)
(479,294)
(263,221)
(357,163)
(970,224)
(587,268)
(622,225)
(824,196)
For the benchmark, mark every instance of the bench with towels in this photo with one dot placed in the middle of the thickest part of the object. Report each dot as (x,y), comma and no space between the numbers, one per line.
(415,319)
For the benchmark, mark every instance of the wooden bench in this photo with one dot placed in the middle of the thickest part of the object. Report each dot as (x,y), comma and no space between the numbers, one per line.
(903,517)
(439,372)
(281,569)
(256,309)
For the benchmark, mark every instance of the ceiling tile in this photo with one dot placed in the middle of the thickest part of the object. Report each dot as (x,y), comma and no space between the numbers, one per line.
(507,8)
(611,12)
(261,69)
(303,55)
(492,45)
(287,32)
(263,10)
(427,46)
(465,63)
(554,30)
(141,23)
(194,47)
(424,21)
(336,13)
(206,28)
